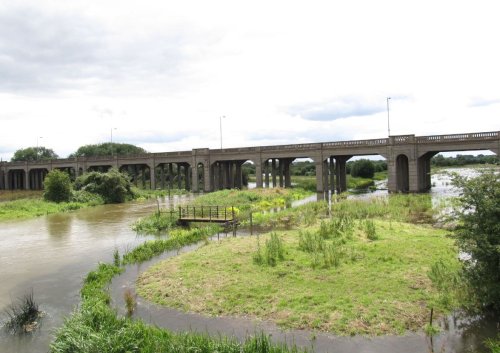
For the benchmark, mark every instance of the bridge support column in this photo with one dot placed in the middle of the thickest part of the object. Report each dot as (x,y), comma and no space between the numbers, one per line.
(195,182)
(331,166)
(340,173)
(258,173)
(162,176)
(239,175)
(424,171)
(286,167)
(266,172)
(273,171)
(152,177)
(320,191)
(188,176)
(207,177)
(281,171)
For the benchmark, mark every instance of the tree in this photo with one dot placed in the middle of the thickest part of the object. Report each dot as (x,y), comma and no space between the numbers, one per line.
(57,186)
(478,235)
(113,186)
(33,154)
(107,149)
(363,168)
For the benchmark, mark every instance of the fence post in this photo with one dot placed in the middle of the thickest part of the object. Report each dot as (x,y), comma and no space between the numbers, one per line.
(251,224)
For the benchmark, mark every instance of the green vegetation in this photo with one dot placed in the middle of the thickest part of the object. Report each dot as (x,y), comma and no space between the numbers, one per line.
(462,160)
(107,149)
(91,189)
(34,154)
(177,239)
(363,168)
(375,287)
(113,186)
(273,251)
(28,208)
(11,195)
(23,317)
(57,186)
(362,271)
(246,200)
(95,327)
(477,234)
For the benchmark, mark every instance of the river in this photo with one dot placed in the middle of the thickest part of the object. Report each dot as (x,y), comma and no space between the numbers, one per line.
(51,255)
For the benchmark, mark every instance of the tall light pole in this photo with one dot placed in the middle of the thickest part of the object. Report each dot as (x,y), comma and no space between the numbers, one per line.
(388,125)
(37,152)
(220,126)
(113,128)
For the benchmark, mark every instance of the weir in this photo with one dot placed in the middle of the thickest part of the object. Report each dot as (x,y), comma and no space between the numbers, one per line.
(408,162)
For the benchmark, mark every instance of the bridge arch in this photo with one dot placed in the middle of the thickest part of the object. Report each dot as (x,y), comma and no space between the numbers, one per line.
(402,173)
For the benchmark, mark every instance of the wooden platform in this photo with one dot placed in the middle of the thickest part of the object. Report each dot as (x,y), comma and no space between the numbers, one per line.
(207,214)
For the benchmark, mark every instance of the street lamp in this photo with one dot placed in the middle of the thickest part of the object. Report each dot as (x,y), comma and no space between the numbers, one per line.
(220,126)
(113,128)
(111,144)
(388,126)
(37,151)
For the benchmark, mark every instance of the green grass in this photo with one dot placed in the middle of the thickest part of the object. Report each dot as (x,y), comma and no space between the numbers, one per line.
(24,316)
(95,327)
(378,287)
(10,195)
(177,239)
(29,208)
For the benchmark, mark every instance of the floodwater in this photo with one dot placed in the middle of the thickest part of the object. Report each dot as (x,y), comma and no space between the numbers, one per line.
(51,255)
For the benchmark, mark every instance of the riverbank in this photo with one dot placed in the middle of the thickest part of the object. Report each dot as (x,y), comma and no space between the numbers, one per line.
(80,330)
(26,204)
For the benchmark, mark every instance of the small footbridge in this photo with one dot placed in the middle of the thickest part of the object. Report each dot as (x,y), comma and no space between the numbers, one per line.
(207,214)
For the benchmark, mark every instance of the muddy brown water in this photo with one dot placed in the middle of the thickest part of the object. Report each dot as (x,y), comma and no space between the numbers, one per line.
(51,255)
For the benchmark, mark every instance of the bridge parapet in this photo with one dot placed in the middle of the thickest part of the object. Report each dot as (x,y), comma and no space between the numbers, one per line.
(401,139)
(169,154)
(475,136)
(347,144)
(303,146)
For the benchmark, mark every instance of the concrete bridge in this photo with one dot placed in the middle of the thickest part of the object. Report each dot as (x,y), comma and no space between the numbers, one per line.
(408,161)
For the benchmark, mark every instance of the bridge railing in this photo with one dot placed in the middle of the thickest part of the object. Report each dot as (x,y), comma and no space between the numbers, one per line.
(475,136)
(357,143)
(206,213)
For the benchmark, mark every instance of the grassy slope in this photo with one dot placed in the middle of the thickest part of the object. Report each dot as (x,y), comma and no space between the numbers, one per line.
(385,290)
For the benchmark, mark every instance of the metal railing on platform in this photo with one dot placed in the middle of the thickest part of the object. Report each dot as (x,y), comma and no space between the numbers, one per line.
(216,214)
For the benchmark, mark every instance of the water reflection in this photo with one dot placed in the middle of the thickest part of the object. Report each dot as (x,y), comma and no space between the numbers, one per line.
(51,255)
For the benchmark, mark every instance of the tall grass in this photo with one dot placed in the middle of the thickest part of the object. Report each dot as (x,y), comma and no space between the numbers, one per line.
(177,239)
(273,252)
(22,316)
(95,327)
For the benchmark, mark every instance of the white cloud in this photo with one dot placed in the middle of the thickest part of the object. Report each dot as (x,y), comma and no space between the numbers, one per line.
(163,73)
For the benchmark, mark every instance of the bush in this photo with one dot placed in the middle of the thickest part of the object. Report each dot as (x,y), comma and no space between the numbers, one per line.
(363,168)
(113,186)
(57,186)
(478,235)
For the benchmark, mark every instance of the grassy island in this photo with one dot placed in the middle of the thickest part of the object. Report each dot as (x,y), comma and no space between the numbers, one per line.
(363,270)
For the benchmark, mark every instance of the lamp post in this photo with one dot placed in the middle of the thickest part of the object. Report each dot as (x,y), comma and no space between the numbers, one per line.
(113,128)
(37,151)
(220,126)
(388,126)
(111,140)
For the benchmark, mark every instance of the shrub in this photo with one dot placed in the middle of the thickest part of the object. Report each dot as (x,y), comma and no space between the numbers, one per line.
(113,186)
(57,186)
(273,252)
(478,235)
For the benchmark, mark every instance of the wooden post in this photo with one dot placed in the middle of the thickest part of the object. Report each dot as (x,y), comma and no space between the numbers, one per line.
(251,224)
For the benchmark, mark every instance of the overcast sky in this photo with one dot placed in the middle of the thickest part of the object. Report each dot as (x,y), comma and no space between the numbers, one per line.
(160,74)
